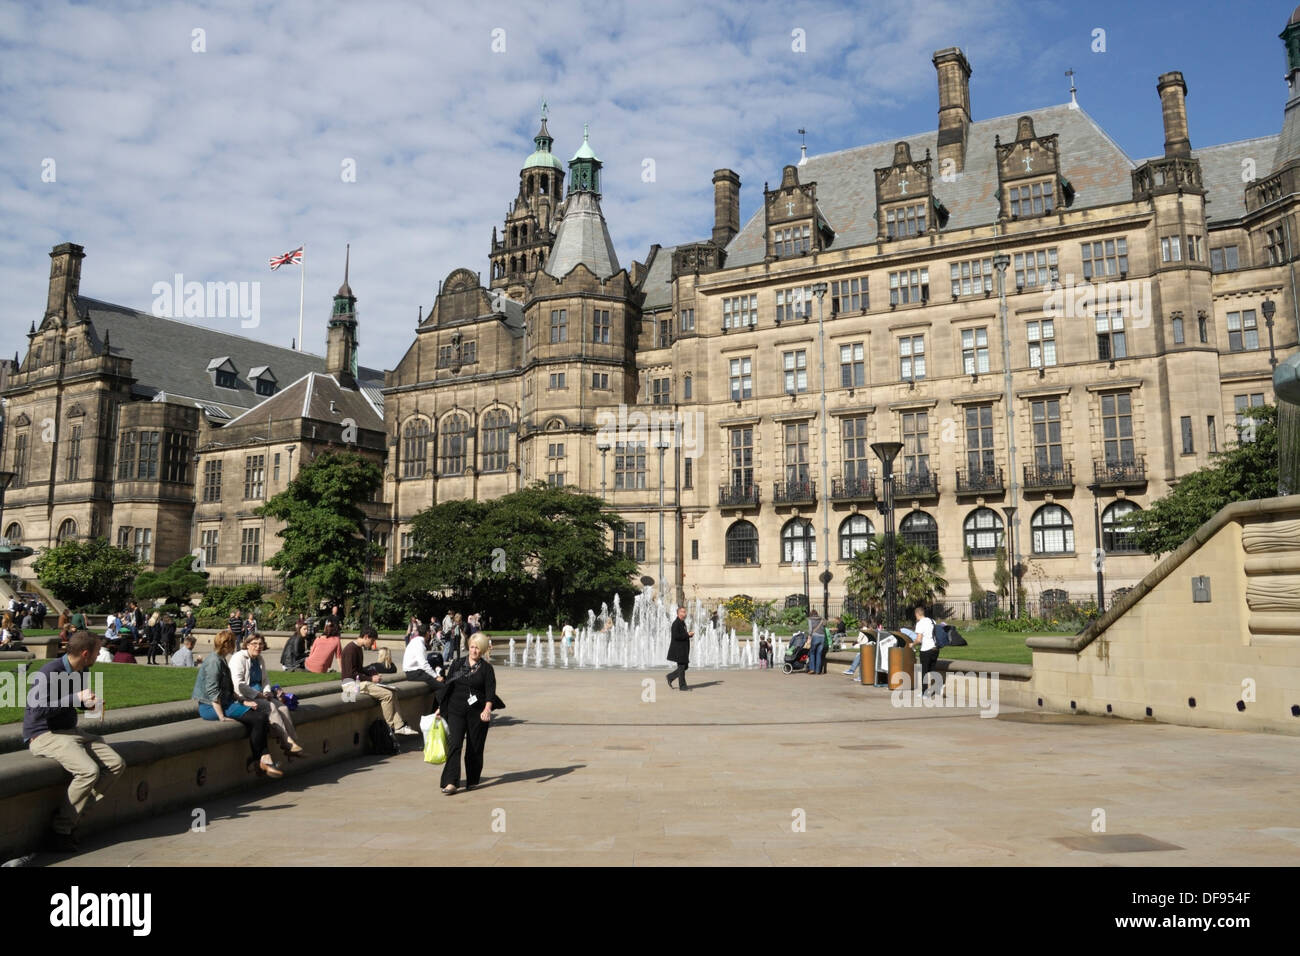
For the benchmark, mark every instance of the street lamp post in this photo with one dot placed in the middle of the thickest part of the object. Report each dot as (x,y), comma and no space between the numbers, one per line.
(1099,555)
(1001,262)
(1012,595)
(1269,308)
(662,445)
(803,529)
(603,448)
(887,451)
(819,290)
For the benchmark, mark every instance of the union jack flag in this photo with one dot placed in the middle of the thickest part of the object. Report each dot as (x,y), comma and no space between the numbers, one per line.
(288,259)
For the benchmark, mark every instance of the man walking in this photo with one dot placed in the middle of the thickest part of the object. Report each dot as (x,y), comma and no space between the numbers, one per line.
(679,650)
(235,624)
(50,730)
(352,664)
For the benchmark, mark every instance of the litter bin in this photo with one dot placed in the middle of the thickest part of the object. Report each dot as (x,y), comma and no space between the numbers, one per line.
(902,661)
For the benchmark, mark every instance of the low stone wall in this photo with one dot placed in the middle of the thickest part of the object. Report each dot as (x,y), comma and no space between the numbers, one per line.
(185,763)
(1230,661)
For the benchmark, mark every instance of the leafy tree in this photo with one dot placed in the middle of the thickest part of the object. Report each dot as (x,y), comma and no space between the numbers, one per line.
(1001,576)
(324,545)
(538,554)
(87,573)
(1247,470)
(176,583)
(976,589)
(919,571)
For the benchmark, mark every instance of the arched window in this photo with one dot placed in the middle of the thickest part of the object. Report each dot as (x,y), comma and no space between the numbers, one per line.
(455,435)
(919,528)
(67,531)
(1053,530)
(742,543)
(415,448)
(496,440)
(514,235)
(797,534)
(14,534)
(542,186)
(855,535)
(523,232)
(983,531)
(1117,528)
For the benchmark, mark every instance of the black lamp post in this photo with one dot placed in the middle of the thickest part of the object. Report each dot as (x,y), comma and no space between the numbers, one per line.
(887,451)
(803,530)
(1269,308)
(1010,512)
(1098,558)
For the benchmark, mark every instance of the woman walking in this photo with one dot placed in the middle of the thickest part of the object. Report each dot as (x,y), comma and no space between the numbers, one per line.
(215,692)
(467,703)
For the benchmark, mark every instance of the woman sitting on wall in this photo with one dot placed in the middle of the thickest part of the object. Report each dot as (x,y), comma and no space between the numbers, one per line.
(215,692)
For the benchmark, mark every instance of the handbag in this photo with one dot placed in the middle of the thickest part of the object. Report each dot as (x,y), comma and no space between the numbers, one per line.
(435,740)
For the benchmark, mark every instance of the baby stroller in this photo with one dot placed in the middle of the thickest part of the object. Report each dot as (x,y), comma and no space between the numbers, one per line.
(796,655)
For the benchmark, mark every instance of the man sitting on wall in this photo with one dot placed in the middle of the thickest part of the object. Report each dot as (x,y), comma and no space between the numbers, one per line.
(50,730)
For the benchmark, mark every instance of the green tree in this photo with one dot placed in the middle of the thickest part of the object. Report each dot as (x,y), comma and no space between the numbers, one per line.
(1001,576)
(539,554)
(1247,470)
(175,583)
(919,571)
(90,574)
(323,539)
(976,589)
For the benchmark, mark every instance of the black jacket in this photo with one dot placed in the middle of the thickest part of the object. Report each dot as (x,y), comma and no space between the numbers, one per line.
(679,647)
(453,696)
(294,653)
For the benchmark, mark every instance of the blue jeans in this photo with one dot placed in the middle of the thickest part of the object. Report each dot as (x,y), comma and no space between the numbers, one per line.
(857,662)
(817,656)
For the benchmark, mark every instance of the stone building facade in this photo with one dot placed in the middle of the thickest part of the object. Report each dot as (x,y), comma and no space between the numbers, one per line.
(1044,324)
(1117,347)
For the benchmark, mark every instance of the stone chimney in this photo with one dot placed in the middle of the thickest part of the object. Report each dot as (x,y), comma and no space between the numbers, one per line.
(65,280)
(1173,104)
(954,107)
(726,205)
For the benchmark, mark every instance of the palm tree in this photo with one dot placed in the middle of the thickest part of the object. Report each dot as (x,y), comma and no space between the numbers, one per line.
(919,569)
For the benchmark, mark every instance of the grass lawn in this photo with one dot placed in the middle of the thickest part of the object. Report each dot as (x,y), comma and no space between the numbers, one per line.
(131,685)
(994,646)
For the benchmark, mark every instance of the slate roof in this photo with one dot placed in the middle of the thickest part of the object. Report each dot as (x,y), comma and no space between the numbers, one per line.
(172,357)
(310,398)
(846,185)
(658,282)
(582,237)
(1222,169)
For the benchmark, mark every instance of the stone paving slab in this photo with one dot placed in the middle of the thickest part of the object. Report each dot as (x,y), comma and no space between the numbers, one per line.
(582,771)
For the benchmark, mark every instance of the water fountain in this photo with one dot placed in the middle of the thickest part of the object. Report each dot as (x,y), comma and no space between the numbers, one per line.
(640,640)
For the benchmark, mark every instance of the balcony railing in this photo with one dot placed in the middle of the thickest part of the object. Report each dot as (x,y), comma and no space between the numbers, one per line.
(1048,477)
(738,496)
(979,480)
(853,489)
(793,492)
(920,484)
(1121,472)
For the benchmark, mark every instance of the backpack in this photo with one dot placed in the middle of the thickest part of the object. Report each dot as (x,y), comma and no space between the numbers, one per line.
(941,635)
(955,639)
(381,738)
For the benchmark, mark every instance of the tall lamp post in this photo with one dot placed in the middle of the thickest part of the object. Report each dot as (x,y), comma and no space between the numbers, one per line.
(1012,595)
(1269,308)
(803,529)
(887,451)
(819,290)
(662,444)
(1001,262)
(1099,555)
(603,448)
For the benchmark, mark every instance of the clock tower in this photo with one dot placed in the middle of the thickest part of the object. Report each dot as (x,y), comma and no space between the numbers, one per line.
(521,249)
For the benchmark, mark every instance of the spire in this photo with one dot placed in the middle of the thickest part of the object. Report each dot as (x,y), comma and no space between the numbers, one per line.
(345,290)
(542,142)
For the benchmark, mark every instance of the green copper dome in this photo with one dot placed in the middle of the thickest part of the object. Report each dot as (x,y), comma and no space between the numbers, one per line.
(584,151)
(545,159)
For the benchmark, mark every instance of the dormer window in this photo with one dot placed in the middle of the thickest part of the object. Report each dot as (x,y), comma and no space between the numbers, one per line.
(791,241)
(223,372)
(1031,199)
(263,380)
(905,220)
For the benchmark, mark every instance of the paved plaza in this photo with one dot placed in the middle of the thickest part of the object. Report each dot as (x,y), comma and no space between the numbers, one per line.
(581,770)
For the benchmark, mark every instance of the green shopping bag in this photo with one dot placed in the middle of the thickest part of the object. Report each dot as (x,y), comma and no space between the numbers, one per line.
(435,742)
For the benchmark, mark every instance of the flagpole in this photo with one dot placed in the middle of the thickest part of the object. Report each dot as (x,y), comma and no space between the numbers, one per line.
(302,285)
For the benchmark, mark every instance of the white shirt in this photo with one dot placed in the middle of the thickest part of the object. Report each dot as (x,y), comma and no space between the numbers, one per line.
(103,657)
(925,631)
(416,657)
(183,658)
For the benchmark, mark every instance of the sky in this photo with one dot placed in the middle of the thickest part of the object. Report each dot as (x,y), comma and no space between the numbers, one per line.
(204,139)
